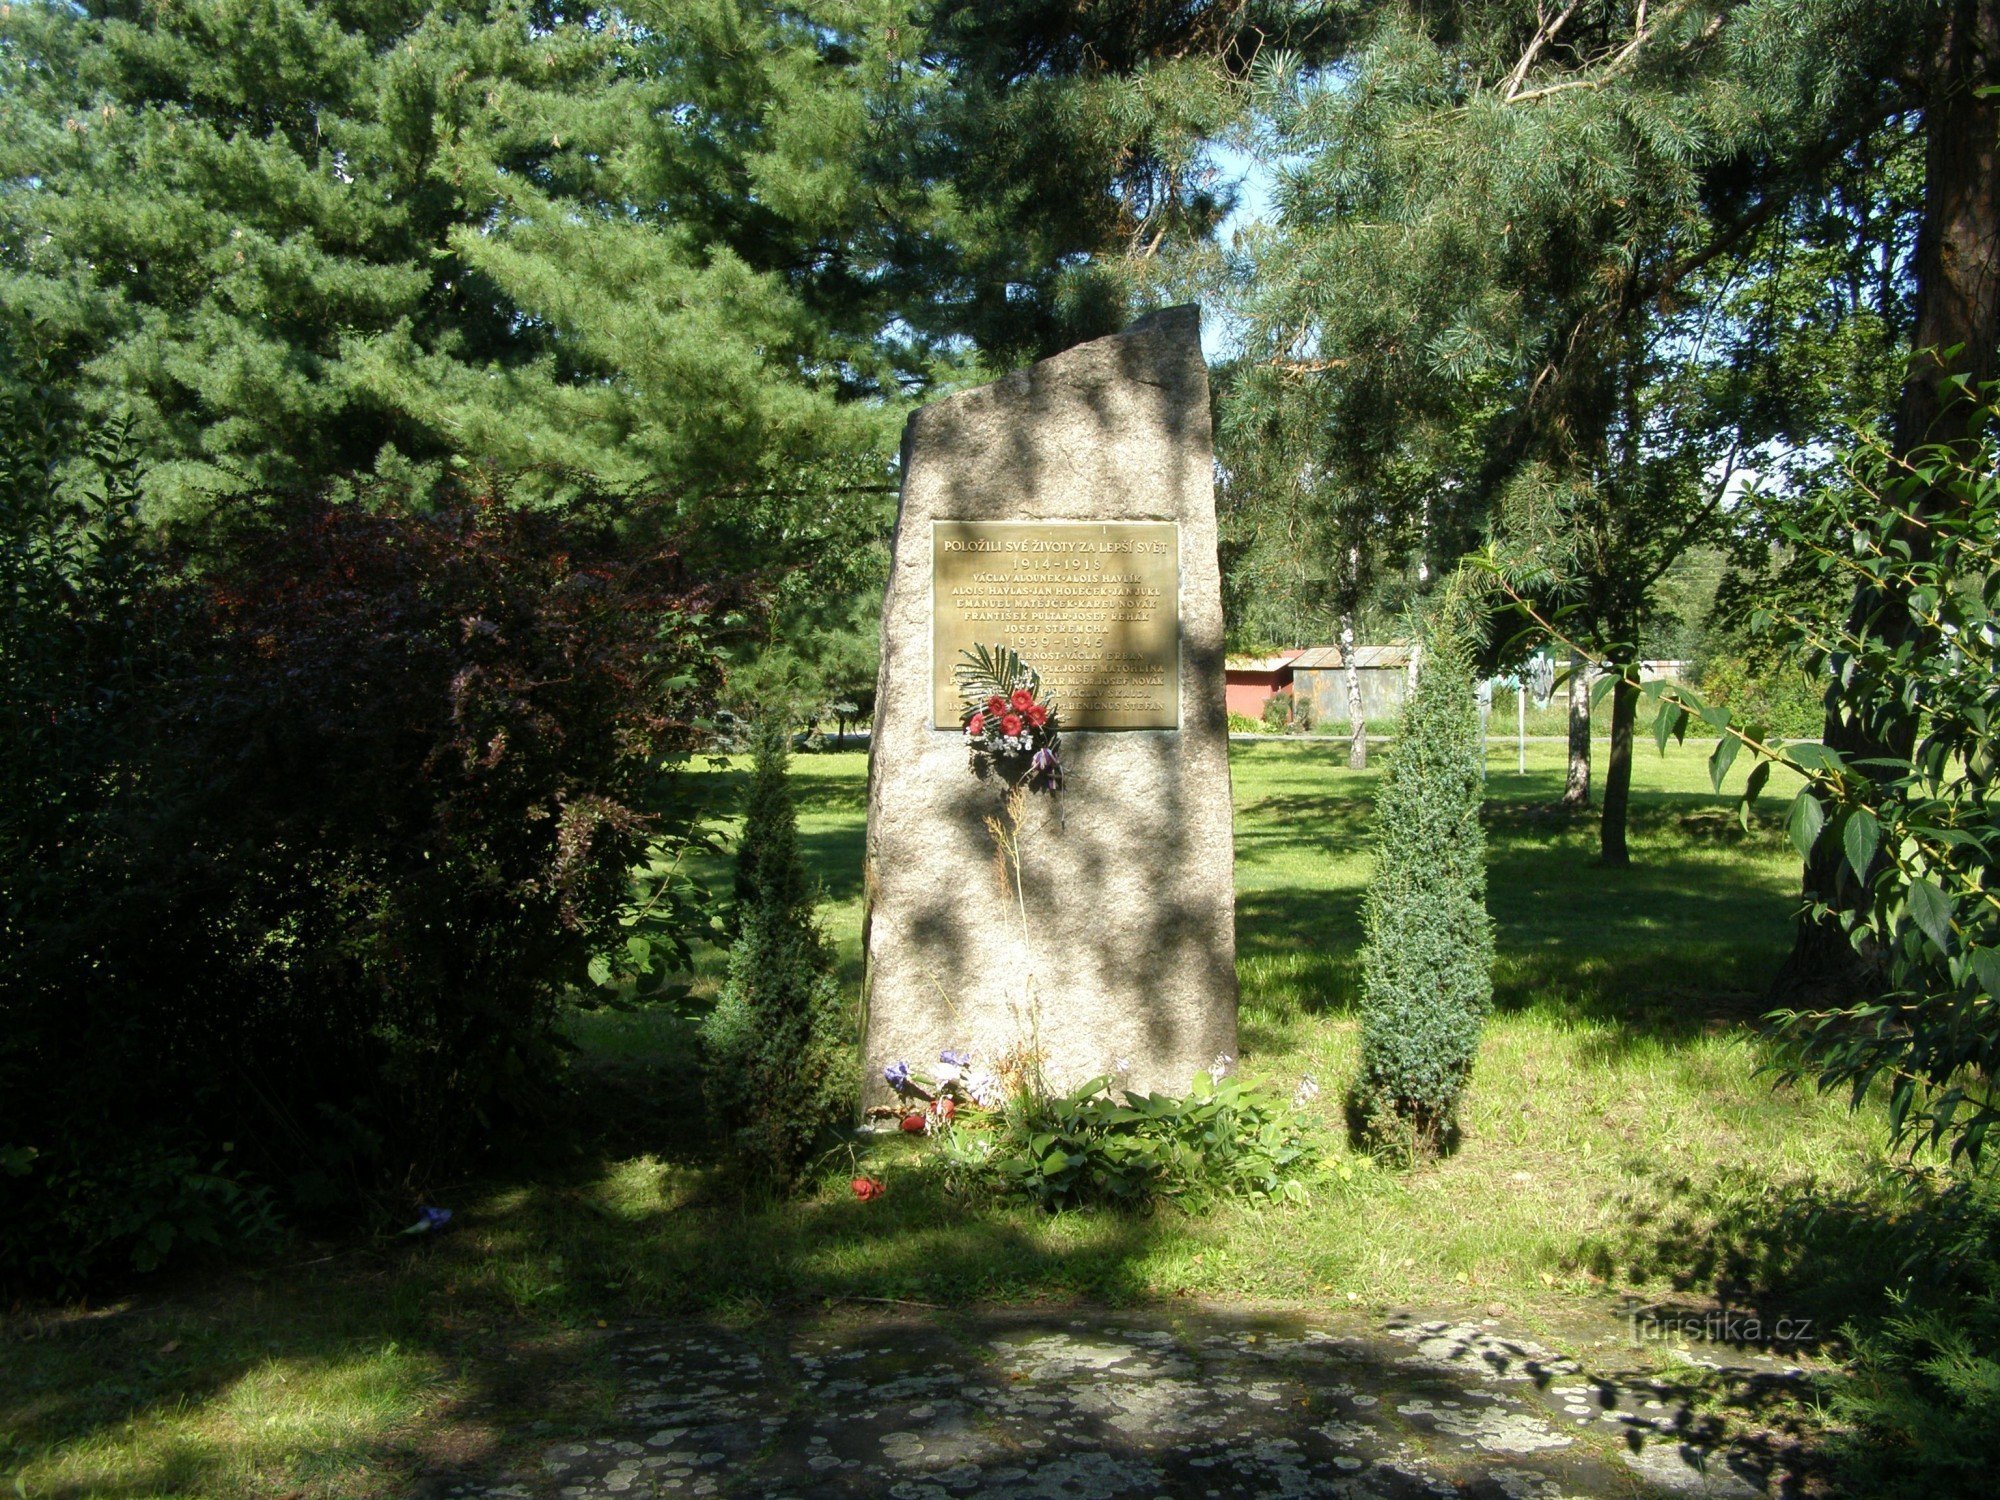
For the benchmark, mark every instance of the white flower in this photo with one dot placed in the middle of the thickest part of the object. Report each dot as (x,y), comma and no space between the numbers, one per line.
(1121,1067)
(982,1087)
(1219,1069)
(1306,1092)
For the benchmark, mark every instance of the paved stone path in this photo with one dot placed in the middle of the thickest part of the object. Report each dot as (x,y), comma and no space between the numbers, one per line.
(1102,1405)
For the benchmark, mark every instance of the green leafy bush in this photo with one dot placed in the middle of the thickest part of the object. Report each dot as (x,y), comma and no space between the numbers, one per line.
(778,1063)
(1243,724)
(1427,957)
(1278,713)
(137,1202)
(1782,697)
(1225,1139)
(1901,829)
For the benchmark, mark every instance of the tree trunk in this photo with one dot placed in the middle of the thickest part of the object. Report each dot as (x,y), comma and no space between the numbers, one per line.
(1357,723)
(1618,776)
(1576,794)
(1958,239)
(1958,308)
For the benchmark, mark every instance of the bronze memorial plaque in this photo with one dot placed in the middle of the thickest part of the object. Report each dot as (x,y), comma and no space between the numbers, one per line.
(1094,606)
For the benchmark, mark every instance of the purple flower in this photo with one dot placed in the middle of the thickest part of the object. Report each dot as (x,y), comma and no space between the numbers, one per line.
(956,1059)
(1045,771)
(897,1076)
(430,1221)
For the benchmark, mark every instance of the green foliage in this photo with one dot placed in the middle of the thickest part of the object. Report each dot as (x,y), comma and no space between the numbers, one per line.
(80,1192)
(1780,696)
(1074,138)
(778,1066)
(769,868)
(703,246)
(812,668)
(126,1205)
(1244,724)
(1547,273)
(411,231)
(1278,713)
(1427,958)
(1922,1401)
(1912,833)
(1224,1139)
(1919,836)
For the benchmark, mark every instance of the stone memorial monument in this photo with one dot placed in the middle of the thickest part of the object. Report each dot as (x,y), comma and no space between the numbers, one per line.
(1066,512)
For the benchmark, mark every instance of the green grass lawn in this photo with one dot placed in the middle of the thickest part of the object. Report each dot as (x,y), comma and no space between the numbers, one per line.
(1619,1139)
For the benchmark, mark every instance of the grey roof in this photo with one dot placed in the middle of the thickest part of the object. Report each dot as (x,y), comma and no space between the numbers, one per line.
(1258,663)
(1327,658)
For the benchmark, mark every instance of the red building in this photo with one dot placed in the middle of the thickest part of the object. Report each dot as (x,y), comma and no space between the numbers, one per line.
(1252,681)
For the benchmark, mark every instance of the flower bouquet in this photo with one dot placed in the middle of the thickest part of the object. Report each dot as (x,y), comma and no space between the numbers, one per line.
(929,1104)
(1011,727)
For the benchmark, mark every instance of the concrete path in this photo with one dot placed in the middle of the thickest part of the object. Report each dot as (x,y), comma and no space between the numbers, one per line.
(1102,1405)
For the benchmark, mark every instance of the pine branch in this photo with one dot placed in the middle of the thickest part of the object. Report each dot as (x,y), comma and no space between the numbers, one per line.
(1544,34)
(1670,555)
(1810,173)
(1642,32)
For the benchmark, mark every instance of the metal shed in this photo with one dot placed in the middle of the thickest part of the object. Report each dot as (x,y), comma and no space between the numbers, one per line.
(1319,677)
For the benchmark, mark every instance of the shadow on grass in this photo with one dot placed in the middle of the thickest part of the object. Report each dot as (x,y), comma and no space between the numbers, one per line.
(361,1368)
(1795,1257)
(1679,943)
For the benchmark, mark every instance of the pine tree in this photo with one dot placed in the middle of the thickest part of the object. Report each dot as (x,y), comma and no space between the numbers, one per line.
(702,246)
(1427,957)
(1525,279)
(298,241)
(777,1060)
(1073,139)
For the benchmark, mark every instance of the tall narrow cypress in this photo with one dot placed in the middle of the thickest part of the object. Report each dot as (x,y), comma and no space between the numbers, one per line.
(1427,962)
(776,1045)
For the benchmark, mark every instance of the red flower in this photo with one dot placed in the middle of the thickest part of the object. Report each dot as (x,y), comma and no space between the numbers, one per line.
(1023,699)
(944,1109)
(866,1188)
(913,1123)
(996,704)
(1038,716)
(1010,723)
(976,724)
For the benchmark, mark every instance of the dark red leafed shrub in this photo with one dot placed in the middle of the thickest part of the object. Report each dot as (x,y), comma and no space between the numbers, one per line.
(372,809)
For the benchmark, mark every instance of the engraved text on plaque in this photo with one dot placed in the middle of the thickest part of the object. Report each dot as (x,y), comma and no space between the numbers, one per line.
(1094,606)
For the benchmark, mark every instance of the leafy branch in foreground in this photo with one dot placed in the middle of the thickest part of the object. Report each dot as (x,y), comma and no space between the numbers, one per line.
(1916,833)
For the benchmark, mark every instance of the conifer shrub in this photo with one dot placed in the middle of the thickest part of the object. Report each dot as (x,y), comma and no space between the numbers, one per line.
(1427,956)
(778,1069)
(1921,1399)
